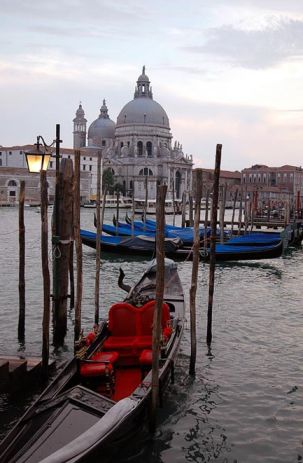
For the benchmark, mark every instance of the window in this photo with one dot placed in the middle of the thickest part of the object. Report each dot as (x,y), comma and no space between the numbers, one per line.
(21,152)
(10,153)
(140,148)
(84,159)
(149,148)
(0,162)
(90,168)
(68,156)
(146,171)
(103,142)
(90,159)
(12,183)
(12,193)
(121,144)
(84,167)
(51,164)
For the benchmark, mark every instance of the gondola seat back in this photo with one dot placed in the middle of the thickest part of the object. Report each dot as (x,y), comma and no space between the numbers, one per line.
(122,326)
(131,328)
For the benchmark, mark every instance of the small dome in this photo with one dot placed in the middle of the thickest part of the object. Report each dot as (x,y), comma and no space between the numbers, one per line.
(103,127)
(143,77)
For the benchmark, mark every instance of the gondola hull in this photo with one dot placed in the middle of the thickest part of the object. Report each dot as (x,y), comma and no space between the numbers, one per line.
(77,419)
(226,252)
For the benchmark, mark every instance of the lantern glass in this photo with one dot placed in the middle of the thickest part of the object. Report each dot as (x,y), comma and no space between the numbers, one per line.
(37,160)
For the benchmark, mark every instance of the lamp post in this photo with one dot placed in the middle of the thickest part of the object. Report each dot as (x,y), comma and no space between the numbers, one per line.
(37,161)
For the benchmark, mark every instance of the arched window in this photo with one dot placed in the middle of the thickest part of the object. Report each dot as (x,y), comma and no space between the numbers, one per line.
(140,148)
(131,185)
(149,148)
(12,183)
(146,171)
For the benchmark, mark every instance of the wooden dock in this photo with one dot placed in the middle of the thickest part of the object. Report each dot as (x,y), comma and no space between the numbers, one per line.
(19,372)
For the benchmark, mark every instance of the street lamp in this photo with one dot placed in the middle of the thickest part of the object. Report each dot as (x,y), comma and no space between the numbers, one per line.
(37,161)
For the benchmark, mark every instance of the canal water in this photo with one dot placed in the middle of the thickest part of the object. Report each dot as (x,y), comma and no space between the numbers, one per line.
(245,403)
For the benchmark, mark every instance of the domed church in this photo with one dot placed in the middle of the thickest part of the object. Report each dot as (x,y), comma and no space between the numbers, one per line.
(138,146)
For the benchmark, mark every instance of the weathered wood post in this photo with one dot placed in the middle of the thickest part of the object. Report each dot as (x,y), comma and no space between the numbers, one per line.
(206,220)
(145,201)
(160,256)
(71,276)
(212,262)
(133,215)
(240,213)
(183,216)
(117,211)
(174,205)
(45,274)
(222,212)
(62,251)
(234,210)
(78,245)
(21,323)
(191,208)
(194,275)
(98,234)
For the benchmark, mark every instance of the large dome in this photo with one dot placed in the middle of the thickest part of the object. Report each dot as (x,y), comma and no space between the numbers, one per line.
(103,127)
(143,109)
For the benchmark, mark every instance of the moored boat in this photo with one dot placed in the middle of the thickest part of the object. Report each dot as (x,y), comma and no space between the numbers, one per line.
(226,252)
(137,245)
(101,401)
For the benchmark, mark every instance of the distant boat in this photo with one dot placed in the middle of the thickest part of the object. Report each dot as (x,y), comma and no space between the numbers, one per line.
(151,206)
(111,203)
(50,208)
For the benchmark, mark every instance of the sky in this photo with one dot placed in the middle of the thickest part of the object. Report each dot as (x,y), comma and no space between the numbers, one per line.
(225,71)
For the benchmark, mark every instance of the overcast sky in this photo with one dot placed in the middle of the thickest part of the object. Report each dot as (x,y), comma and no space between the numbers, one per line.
(225,71)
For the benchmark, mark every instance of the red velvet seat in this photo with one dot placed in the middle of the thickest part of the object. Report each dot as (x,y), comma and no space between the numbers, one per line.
(100,364)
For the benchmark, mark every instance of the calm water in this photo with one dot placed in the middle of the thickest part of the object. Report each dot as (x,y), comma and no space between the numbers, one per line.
(246,402)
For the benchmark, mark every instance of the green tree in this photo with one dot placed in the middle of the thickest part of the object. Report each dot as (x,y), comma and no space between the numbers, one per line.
(108,180)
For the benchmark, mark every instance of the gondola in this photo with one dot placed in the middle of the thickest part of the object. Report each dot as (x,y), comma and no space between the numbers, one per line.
(187,236)
(254,239)
(100,401)
(225,252)
(138,245)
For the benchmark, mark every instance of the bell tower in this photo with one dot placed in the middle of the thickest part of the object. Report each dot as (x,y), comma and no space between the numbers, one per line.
(79,128)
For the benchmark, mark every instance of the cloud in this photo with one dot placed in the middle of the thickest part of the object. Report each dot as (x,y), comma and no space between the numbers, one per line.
(280,40)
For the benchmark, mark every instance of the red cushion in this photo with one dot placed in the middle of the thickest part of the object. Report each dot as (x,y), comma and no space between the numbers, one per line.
(111,357)
(146,357)
(122,319)
(147,317)
(95,368)
(143,342)
(119,342)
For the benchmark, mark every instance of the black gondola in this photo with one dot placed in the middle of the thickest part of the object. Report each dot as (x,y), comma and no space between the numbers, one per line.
(101,400)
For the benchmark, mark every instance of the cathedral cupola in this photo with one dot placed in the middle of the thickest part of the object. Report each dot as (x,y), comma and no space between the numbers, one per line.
(142,89)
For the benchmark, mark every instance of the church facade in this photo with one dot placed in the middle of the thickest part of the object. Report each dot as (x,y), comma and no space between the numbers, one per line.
(138,148)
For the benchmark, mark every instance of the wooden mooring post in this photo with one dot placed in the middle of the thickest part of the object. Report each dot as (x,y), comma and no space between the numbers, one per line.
(78,246)
(98,243)
(160,256)
(21,323)
(212,261)
(62,248)
(194,276)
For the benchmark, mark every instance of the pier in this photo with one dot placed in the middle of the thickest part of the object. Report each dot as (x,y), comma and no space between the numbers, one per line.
(19,372)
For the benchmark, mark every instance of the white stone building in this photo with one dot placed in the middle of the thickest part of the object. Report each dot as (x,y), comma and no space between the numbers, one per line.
(139,145)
